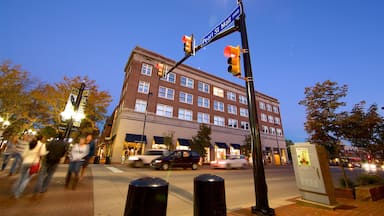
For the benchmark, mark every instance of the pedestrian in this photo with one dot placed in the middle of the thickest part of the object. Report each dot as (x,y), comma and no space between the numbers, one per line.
(56,150)
(10,150)
(21,146)
(36,149)
(76,157)
(91,153)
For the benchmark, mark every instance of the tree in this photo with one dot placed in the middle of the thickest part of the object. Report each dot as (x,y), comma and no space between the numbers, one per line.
(168,140)
(321,102)
(246,148)
(202,140)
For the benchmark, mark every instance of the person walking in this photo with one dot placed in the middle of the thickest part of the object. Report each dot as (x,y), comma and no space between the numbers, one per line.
(91,144)
(21,146)
(10,150)
(36,149)
(78,152)
(56,150)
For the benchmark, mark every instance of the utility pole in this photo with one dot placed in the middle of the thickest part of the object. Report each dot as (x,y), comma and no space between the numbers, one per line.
(261,191)
(76,107)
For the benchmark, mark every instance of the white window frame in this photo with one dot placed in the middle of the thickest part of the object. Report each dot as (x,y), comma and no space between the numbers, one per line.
(233,123)
(275,109)
(243,99)
(146,69)
(168,78)
(271,119)
(203,118)
(269,107)
(218,91)
(265,129)
(187,82)
(140,105)
(279,132)
(244,125)
(232,109)
(168,93)
(219,121)
(187,98)
(218,106)
(203,102)
(164,110)
(262,105)
(264,117)
(244,112)
(231,96)
(277,120)
(143,87)
(203,87)
(185,114)
(272,130)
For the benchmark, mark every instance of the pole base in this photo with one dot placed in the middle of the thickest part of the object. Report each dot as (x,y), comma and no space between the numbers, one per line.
(263,212)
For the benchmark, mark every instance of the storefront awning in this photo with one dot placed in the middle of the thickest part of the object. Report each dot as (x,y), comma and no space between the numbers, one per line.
(221,145)
(137,138)
(184,142)
(235,146)
(158,139)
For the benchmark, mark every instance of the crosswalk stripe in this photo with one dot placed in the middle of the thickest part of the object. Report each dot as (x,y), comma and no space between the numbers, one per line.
(114,169)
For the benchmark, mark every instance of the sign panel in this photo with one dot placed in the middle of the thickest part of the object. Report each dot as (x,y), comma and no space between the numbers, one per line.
(224,24)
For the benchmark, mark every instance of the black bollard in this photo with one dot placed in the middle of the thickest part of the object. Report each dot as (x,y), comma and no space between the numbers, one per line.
(209,196)
(147,196)
(96,160)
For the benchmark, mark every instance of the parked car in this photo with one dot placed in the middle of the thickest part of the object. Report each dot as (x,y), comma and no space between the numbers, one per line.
(147,157)
(232,161)
(178,158)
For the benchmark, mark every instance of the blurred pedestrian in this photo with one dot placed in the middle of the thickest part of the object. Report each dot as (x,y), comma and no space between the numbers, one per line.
(91,153)
(36,149)
(56,150)
(10,151)
(21,146)
(76,157)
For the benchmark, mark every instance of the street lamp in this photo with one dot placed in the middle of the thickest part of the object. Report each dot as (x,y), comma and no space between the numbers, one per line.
(277,143)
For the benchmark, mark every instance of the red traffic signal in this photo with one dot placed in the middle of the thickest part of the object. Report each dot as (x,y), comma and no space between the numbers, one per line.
(188,45)
(160,69)
(233,54)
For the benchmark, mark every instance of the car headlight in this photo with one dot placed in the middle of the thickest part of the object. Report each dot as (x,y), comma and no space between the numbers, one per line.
(158,161)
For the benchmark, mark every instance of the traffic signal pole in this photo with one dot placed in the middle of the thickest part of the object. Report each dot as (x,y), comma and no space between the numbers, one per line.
(261,191)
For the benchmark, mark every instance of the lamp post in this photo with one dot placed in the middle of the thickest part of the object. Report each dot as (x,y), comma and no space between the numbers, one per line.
(145,121)
(278,145)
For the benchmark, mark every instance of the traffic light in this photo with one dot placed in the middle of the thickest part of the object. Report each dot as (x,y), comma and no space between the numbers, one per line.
(233,54)
(189,48)
(160,69)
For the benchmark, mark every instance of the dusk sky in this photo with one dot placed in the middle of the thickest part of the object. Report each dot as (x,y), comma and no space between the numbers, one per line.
(293,43)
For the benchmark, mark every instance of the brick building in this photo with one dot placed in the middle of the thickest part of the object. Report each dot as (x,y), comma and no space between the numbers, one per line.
(151,108)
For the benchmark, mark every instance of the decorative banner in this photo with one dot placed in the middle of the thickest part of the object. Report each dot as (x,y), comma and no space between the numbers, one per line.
(303,157)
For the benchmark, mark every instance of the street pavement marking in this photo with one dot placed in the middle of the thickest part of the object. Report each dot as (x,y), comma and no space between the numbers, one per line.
(114,169)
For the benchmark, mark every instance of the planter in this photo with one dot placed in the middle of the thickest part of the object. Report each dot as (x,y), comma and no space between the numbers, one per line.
(370,192)
(348,193)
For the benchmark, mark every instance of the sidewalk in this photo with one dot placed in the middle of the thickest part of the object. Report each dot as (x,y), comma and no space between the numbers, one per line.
(102,194)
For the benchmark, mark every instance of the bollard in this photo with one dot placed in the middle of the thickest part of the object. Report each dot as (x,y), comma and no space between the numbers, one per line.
(147,196)
(209,196)
(96,160)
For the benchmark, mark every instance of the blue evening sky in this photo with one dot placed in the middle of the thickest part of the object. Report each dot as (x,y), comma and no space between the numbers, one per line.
(293,43)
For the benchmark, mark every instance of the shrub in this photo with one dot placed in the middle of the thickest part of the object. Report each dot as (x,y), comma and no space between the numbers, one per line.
(351,184)
(366,179)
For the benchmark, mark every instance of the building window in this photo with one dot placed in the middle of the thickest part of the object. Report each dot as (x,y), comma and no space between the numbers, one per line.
(140,105)
(218,92)
(231,96)
(275,109)
(219,106)
(232,109)
(219,121)
(279,132)
(143,87)
(186,82)
(203,102)
(186,98)
(185,114)
(171,77)
(264,117)
(232,123)
(146,69)
(243,112)
(167,93)
(262,105)
(244,125)
(203,87)
(277,120)
(270,119)
(243,99)
(272,130)
(203,118)
(164,110)
(269,107)
(265,129)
